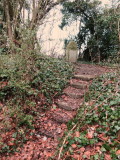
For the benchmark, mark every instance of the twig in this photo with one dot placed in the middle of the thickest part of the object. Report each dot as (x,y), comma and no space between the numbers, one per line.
(59,156)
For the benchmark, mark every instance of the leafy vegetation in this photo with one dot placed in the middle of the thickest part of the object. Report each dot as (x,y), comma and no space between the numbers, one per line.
(28,84)
(18,15)
(96,134)
(29,81)
(98,28)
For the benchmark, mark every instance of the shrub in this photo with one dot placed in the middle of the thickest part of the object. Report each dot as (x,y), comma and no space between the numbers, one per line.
(25,80)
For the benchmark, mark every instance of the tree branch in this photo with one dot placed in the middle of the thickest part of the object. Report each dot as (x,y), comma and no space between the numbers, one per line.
(47,6)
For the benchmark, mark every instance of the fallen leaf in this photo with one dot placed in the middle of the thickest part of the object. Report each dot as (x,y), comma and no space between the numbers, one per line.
(87,154)
(118,135)
(80,156)
(91,103)
(44,138)
(103,137)
(1,105)
(82,149)
(107,157)
(74,145)
(77,134)
(99,144)
(10,144)
(49,154)
(97,149)
(90,133)
(59,130)
(75,156)
(65,98)
(49,124)
(118,152)
(63,125)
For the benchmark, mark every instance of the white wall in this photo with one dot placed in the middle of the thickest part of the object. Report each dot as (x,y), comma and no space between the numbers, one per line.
(52,37)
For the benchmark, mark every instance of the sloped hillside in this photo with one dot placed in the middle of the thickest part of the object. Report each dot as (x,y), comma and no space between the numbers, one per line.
(95,132)
(28,85)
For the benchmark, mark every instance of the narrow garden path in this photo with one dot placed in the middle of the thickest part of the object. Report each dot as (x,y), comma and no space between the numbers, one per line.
(51,125)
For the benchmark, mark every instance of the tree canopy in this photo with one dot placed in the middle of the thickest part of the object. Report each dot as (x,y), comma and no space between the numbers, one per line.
(23,17)
(98,29)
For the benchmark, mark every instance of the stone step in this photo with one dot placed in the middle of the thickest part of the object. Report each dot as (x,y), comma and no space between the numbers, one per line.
(62,117)
(84,77)
(66,106)
(73,95)
(51,131)
(79,85)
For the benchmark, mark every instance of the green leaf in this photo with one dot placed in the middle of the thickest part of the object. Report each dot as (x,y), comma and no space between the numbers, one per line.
(103,149)
(96,157)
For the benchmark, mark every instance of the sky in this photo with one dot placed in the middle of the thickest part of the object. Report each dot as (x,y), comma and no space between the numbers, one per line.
(51,37)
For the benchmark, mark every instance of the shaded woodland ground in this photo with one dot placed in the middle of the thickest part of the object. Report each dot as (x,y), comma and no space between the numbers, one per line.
(50,108)
(90,121)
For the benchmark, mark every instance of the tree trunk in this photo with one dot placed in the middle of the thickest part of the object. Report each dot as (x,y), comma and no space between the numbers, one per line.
(23,14)
(119,30)
(9,26)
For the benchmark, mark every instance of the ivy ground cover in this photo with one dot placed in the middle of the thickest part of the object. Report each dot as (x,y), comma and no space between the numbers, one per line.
(95,132)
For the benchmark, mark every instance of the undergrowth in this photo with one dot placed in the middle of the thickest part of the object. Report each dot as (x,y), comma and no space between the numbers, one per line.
(96,133)
(28,84)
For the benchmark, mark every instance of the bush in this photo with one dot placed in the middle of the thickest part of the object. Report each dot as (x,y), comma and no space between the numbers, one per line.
(28,76)
(28,84)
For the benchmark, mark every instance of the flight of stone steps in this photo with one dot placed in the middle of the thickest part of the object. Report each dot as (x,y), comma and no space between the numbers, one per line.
(73,99)
(53,123)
